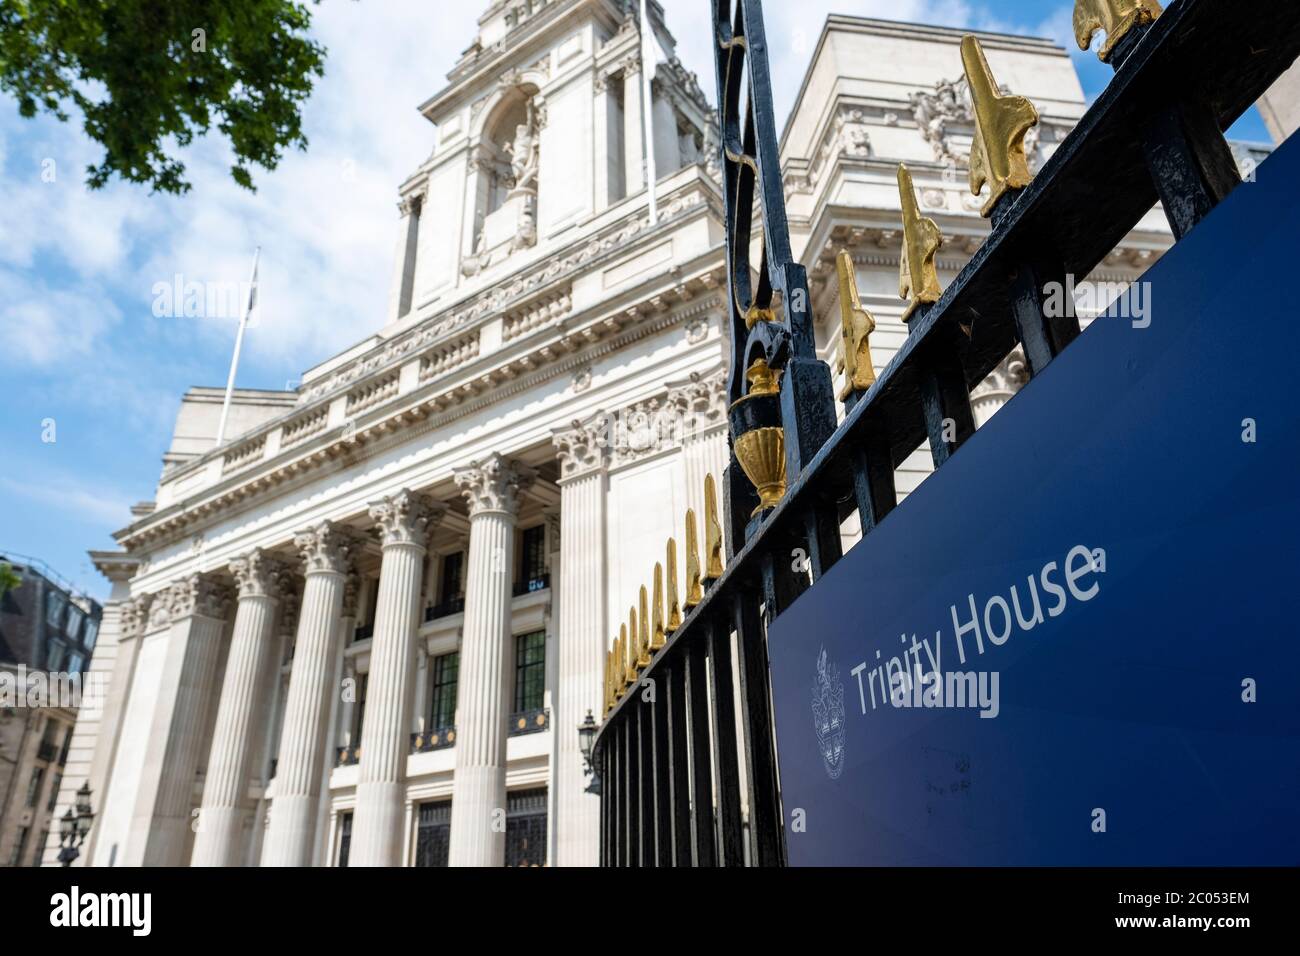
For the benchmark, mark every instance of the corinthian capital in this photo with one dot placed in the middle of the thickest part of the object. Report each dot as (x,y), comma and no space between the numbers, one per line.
(258,574)
(198,595)
(494,485)
(328,547)
(406,517)
(583,447)
(134,615)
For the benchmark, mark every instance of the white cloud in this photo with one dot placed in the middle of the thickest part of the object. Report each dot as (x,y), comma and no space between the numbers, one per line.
(91,503)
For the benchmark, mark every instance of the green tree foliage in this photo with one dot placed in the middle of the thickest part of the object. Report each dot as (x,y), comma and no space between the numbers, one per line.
(148,75)
(9,578)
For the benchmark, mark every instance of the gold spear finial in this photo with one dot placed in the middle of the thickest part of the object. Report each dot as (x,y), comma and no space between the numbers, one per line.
(694,589)
(856,326)
(629,650)
(657,609)
(997,155)
(1115,17)
(610,698)
(713,563)
(674,613)
(918,278)
(643,640)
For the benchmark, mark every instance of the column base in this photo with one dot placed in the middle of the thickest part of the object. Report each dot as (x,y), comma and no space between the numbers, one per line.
(478,817)
(218,839)
(291,835)
(378,824)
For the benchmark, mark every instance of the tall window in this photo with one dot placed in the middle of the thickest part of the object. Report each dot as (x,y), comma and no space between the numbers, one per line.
(54,792)
(526,828)
(345,838)
(73,626)
(433,839)
(530,671)
(20,844)
(442,698)
(54,656)
(92,632)
(54,604)
(532,557)
(34,786)
(453,577)
(359,716)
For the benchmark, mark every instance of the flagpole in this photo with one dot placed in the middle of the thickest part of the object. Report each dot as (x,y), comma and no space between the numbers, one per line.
(648,64)
(239,343)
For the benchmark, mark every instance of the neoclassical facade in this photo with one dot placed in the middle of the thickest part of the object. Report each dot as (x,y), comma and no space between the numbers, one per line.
(365,630)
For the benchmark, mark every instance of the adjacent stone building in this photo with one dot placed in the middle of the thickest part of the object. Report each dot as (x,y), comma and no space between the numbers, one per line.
(48,632)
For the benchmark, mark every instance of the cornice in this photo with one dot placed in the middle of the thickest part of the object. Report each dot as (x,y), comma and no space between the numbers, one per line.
(529,289)
(554,352)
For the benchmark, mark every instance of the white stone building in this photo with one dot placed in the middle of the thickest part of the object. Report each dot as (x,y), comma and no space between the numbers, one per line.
(367,627)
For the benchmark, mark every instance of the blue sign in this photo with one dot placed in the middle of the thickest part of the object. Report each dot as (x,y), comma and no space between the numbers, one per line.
(1078,643)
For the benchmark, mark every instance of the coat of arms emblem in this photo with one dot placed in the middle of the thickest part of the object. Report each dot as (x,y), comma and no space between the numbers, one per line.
(828,715)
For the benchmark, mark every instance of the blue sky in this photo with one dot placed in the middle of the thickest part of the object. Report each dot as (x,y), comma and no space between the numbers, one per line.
(79,343)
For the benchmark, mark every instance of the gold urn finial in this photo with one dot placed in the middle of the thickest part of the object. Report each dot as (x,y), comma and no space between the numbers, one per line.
(1115,17)
(997,155)
(643,638)
(674,609)
(762,380)
(694,587)
(918,278)
(657,609)
(856,326)
(713,562)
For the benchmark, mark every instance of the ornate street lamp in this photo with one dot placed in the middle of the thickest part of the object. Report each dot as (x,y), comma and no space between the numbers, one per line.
(74,827)
(586,741)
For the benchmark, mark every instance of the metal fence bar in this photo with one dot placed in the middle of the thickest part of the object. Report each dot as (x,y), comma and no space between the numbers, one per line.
(730,829)
(766,839)
(679,761)
(703,827)
(663,785)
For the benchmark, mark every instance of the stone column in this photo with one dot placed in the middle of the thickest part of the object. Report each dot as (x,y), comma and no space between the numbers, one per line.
(668,155)
(492,488)
(160,827)
(582,624)
(99,719)
(405,521)
(633,126)
(328,553)
(701,404)
(218,841)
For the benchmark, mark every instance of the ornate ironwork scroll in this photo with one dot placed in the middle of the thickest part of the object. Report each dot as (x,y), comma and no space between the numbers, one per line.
(772,319)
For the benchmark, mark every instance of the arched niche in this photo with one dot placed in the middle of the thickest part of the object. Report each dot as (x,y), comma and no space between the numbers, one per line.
(505,167)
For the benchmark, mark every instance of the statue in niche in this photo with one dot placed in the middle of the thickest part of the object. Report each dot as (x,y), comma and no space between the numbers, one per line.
(524,151)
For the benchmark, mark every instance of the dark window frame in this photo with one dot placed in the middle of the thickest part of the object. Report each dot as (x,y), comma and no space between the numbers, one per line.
(444,681)
(530,671)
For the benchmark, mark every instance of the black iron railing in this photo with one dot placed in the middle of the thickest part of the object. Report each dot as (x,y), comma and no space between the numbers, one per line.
(1154,134)
(428,740)
(528,722)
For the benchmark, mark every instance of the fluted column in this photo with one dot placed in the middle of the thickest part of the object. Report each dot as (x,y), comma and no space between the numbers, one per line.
(218,840)
(328,553)
(633,126)
(405,520)
(582,589)
(492,488)
(160,827)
